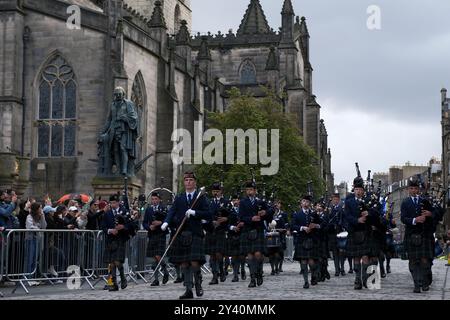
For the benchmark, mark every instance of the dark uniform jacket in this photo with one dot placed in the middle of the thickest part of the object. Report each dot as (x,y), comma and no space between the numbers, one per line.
(247,211)
(409,211)
(178,211)
(151,215)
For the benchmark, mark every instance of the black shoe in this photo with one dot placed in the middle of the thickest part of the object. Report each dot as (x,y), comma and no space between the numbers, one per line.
(383,275)
(259,279)
(223,277)
(178,280)
(350,271)
(416,290)
(336,274)
(187,295)
(155,283)
(114,287)
(280,269)
(277,271)
(198,289)
(314,281)
(252,283)
(214,280)
(425,288)
(358,286)
(243,275)
(235,278)
(327,275)
(306,285)
(388,269)
(165,278)
(272,273)
(123,283)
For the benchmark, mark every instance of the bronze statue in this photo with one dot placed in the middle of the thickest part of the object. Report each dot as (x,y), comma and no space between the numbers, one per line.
(117,143)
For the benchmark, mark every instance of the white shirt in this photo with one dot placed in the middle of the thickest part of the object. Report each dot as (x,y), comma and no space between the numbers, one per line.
(192,195)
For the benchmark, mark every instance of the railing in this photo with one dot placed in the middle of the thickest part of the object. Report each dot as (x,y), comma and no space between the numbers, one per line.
(29,257)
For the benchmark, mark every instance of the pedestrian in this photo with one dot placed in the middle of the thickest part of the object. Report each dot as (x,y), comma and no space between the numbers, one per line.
(35,221)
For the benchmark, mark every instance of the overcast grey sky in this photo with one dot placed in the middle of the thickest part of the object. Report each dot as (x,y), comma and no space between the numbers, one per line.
(379,90)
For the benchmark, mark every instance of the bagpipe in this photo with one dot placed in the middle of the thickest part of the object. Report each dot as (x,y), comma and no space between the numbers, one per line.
(370,202)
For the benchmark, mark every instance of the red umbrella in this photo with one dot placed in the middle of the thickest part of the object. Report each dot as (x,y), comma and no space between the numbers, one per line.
(84,198)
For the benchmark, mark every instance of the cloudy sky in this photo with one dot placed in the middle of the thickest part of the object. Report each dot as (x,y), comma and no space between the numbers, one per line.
(380,89)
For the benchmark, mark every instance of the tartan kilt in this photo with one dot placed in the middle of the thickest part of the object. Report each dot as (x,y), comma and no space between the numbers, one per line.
(184,252)
(426,250)
(114,251)
(323,248)
(215,242)
(377,242)
(280,249)
(358,250)
(251,246)
(156,245)
(389,245)
(233,244)
(301,253)
(332,242)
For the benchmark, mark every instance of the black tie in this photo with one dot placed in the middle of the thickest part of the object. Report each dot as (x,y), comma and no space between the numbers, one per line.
(415,201)
(189,198)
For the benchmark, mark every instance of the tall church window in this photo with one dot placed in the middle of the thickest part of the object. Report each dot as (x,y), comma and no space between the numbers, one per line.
(138,98)
(248,73)
(56,120)
(177,22)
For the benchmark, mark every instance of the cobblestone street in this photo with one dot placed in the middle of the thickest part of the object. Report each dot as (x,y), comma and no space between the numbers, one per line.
(286,286)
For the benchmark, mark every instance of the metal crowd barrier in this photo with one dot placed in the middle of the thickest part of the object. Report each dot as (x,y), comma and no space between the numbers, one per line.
(289,252)
(29,257)
(2,243)
(32,256)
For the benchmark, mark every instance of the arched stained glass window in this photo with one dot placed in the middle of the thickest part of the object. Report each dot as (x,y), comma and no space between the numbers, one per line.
(57,110)
(138,97)
(248,73)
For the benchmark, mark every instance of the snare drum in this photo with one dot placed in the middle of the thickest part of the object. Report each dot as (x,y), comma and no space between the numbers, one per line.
(342,240)
(273,239)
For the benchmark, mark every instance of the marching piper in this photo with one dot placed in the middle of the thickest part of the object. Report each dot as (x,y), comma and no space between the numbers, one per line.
(186,214)
(253,213)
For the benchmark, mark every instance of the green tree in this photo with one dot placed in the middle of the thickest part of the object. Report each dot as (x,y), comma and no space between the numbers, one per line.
(298,162)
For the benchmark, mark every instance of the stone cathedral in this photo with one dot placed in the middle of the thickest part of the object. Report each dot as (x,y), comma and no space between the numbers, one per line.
(56,84)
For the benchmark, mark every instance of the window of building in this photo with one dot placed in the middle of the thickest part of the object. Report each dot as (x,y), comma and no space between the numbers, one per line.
(57,110)
(177,21)
(248,73)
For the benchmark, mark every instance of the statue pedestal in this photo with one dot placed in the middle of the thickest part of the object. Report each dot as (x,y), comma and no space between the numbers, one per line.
(105,186)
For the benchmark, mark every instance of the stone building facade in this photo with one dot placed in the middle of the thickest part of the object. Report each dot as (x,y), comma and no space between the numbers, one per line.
(56,83)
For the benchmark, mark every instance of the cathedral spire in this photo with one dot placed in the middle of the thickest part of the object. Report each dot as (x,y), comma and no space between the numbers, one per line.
(157,20)
(254,21)
(287,8)
(304,28)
